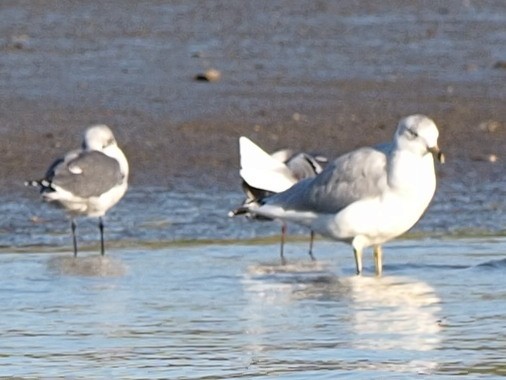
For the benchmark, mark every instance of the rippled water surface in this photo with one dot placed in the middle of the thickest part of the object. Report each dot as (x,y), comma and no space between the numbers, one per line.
(232,311)
(185,292)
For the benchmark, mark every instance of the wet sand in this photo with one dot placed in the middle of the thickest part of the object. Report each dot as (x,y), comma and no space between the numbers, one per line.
(319,76)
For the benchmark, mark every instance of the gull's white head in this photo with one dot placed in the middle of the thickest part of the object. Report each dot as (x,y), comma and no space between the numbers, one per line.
(100,138)
(418,134)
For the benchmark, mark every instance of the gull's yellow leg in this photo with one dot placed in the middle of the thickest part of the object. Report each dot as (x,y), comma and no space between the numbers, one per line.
(378,259)
(358,243)
(358,260)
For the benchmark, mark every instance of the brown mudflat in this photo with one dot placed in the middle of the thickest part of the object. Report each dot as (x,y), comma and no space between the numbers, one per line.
(320,76)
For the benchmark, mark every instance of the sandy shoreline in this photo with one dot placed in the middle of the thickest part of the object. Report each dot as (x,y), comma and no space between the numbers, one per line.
(289,78)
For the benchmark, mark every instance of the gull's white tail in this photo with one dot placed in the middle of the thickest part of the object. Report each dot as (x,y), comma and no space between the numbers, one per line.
(260,170)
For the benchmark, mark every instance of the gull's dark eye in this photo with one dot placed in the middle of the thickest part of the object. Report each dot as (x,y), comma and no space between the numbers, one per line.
(412,133)
(108,143)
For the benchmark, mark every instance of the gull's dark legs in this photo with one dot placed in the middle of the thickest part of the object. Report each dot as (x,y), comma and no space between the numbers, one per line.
(283,234)
(311,239)
(101,227)
(74,240)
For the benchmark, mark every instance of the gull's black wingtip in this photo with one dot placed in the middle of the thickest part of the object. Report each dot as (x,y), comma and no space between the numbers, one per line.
(238,211)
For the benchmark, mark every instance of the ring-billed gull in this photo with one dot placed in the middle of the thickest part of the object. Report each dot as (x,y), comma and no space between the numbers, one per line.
(266,174)
(87,181)
(368,196)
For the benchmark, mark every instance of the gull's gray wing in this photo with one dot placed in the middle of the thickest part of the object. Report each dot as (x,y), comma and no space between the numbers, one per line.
(304,165)
(50,173)
(356,175)
(87,174)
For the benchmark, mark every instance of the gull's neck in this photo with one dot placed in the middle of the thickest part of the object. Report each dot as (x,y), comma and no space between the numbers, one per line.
(116,153)
(408,171)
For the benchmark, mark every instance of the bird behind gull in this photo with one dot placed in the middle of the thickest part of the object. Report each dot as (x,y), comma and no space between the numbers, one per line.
(266,174)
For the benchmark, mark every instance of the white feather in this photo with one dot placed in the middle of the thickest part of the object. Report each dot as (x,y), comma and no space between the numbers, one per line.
(262,171)
(75,169)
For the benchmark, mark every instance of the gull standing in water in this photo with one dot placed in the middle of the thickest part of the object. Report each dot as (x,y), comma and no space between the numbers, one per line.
(368,196)
(87,181)
(266,174)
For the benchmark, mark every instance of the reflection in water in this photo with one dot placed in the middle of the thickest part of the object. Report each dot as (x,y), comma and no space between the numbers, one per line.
(394,313)
(278,284)
(213,312)
(364,316)
(95,265)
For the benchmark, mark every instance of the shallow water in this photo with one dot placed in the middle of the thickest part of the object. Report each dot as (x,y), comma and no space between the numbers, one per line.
(156,216)
(185,292)
(232,311)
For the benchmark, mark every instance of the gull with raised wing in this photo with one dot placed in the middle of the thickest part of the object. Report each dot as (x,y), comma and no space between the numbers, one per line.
(87,181)
(265,174)
(368,196)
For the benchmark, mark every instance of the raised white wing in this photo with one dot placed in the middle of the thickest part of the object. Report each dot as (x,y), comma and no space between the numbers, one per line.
(261,171)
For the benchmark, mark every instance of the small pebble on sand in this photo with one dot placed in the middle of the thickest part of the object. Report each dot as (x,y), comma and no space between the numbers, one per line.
(210,75)
(489,126)
(500,65)
(21,41)
(486,158)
